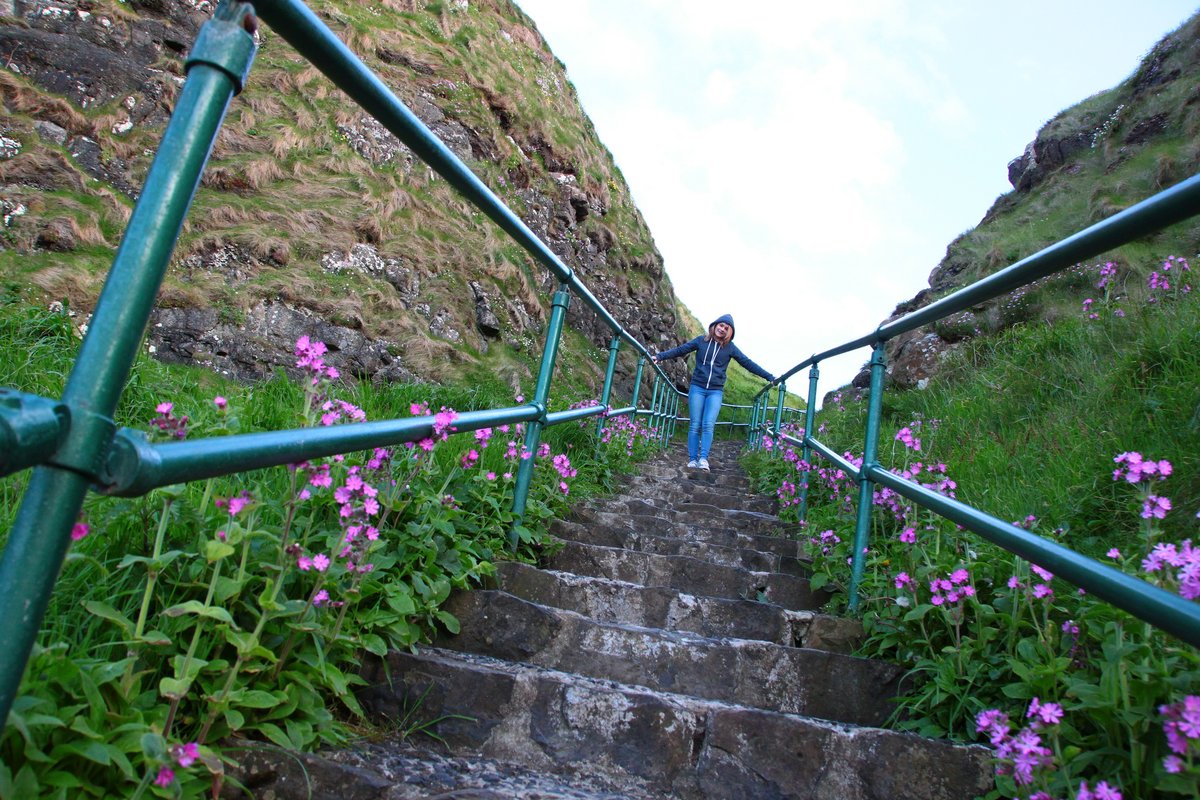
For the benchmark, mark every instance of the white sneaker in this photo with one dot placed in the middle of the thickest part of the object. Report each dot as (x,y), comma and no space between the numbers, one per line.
(692,464)
(703,464)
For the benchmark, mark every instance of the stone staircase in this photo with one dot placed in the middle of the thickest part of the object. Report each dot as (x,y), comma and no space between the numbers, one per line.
(670,649)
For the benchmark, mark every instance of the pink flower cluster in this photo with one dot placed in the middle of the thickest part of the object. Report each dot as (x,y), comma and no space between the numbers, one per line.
(1023,753)
(906,437)
(1183,558)
(168,423)
(1134,468)
(1182,729)
(310,358)
(826,541)
(184,755)
(1041,591)
(1161,280)
(334,411)
(952,590)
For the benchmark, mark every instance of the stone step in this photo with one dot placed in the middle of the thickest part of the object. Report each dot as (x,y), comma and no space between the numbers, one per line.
(720,478)
(606,600)
(692,492)
(644,512)
(684,574)
(660,745)
(735,554)
(720,536)
(744,672)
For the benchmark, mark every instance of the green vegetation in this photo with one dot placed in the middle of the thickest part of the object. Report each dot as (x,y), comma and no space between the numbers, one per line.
(242,606)
(1029,426)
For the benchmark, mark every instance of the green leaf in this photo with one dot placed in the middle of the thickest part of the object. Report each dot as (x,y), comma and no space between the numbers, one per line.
(254,698)
(199,609)
(155,639)
(402,604)
(447,619)
(154,746)
(105,611)
(275,734)
(234,719)
(215,550)
(374,644)
(174,688)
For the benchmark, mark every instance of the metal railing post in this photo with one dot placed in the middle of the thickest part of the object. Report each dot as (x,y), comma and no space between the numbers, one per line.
(38,541)
(533,433)
(862,528)
(805,450)
(778,418)
(674,421)
(606,392)
(654,405)
(637,384)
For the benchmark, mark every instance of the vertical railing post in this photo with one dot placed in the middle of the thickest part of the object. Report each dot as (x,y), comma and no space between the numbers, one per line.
(675,415)
(637,384)
(862,528)
(668,391)
(776,450)
(654,400)
(39,538)
(810,414)
(533,433)
(606,392)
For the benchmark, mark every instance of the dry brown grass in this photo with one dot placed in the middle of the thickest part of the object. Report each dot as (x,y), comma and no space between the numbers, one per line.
(42,169)
(78,287)
(20,98)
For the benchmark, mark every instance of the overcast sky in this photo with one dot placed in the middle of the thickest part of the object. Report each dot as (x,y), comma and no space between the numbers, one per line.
(803,165)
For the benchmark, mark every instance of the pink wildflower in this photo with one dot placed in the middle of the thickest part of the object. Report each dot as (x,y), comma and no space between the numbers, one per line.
(320,562)
(79,531)
(186,754)
(165,777)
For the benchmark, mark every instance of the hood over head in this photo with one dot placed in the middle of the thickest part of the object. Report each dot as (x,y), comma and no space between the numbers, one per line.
(728,320)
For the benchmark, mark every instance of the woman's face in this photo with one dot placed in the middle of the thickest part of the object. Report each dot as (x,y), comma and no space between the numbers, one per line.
(722,330)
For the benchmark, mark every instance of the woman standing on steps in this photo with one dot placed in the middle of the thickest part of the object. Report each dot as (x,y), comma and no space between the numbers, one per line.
(713,351)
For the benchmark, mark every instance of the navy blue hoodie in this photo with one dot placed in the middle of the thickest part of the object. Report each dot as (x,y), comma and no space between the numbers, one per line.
(712,359)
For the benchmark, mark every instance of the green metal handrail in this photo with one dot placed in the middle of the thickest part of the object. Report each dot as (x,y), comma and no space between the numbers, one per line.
(74,446)
(1149,603)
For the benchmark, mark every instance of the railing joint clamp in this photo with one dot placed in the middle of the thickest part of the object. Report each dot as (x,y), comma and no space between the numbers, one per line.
(31,429)
(227,45)
(87,440)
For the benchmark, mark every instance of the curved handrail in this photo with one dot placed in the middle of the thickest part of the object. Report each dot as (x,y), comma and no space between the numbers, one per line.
(1165,208)
(1142,599)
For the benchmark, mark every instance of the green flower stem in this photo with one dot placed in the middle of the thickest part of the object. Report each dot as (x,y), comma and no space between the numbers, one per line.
(152,572)
(221,696)
(291,640)
(187,659)
(241,577)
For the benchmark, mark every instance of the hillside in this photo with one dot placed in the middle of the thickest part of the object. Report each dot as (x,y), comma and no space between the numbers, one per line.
(312,218)
(1089,162)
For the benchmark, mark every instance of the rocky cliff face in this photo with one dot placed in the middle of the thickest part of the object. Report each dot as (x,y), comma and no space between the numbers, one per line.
(312,217)
(1099,150)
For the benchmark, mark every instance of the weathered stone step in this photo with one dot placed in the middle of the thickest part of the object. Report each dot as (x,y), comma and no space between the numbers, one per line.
(663,745)
(725,479)
(723,537)
(733,554)
(684,574)
(397,769)
(639,488)
(745,672)
(606,600)
(701,515)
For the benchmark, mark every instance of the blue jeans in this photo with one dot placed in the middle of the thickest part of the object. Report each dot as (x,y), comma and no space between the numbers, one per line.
(703,407)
